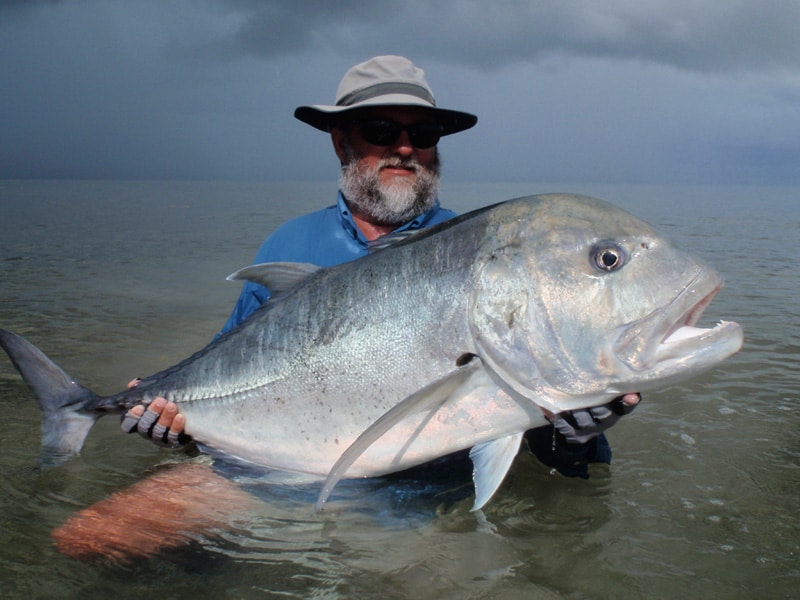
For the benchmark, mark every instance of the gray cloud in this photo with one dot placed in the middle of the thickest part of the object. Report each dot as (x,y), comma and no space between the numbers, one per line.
(694,35)
(583,90)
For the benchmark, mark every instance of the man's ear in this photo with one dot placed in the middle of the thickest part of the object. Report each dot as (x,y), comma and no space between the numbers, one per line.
(338,139)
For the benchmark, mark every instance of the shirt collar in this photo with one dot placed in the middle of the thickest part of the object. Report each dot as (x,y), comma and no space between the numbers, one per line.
(349,225)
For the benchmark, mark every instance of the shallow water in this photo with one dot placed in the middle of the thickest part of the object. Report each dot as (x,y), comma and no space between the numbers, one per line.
(118,279)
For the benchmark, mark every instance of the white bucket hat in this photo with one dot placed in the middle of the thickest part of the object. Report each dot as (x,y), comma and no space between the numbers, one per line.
(383,81)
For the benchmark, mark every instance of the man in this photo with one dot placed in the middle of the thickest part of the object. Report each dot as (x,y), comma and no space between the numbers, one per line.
(385,127)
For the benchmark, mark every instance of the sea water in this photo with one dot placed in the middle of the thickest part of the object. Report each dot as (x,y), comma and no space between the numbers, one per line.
(120,279)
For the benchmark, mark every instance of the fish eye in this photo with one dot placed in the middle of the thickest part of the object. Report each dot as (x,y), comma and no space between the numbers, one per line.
(608,256)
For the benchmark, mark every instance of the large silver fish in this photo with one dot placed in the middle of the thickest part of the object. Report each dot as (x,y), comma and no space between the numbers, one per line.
(455,337)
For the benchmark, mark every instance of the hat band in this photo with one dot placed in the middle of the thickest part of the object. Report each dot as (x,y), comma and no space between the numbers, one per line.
(383,89)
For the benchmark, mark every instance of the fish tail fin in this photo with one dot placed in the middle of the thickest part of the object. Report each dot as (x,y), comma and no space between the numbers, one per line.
(65,424)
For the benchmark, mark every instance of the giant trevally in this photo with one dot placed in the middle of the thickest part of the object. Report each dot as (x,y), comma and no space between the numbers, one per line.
(456,337)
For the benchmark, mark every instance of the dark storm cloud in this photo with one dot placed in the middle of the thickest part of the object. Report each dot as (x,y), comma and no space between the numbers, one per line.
(299,26)
(616,90)
(694,35)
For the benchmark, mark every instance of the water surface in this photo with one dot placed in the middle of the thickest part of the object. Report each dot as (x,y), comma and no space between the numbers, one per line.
(118,279)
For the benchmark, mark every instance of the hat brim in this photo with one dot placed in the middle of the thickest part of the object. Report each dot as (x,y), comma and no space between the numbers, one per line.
(323,117)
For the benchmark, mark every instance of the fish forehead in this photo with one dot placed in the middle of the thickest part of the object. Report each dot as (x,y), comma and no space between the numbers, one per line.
(548,216)
(555,235)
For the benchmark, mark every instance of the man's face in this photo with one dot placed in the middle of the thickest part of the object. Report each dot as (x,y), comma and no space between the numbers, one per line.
(387,184)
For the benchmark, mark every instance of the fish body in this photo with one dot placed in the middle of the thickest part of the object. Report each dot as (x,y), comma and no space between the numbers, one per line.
(459,336)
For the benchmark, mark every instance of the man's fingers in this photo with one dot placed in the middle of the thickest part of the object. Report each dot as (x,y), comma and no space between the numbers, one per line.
(175,431)
(158,434)
(150,416)
(632,399)
(147,421)
(168,414)
(178,423)
(580,426)
(583,419)
(159,422)
(624,405)
(131,419)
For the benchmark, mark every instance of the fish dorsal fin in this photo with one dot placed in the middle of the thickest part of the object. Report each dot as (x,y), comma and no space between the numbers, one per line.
(277,277)
(490,463)
(431,397)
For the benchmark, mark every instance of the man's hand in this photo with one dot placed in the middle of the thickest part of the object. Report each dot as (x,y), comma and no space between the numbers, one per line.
(576,438)
(580,426)
(159,422)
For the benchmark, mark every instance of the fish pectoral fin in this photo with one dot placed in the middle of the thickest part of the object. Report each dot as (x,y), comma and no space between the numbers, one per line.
(277,277)
(490,463)
(429,398)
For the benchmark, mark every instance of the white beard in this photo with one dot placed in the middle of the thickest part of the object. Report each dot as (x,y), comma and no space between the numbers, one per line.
(393,204)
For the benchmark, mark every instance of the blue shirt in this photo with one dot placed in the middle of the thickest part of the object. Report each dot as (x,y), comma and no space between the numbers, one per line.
(324,238)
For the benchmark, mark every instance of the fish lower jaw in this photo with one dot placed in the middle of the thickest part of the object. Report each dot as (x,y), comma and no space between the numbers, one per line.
(686,351)
(690,351)
(687,340)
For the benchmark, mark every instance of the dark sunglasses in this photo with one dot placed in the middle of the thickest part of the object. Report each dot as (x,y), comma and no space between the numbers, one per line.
(385,133)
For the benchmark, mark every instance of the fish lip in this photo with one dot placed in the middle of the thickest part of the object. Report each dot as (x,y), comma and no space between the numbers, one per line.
(645,342)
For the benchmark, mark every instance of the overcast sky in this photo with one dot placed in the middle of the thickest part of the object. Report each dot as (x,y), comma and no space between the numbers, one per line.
(620,91)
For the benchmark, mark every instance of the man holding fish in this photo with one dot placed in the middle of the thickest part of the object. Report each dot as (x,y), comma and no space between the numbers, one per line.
(533,318)
(385,127)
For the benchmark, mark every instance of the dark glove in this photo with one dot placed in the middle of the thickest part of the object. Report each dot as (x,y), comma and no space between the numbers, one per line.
(576,438)
(148,427)
(580,426)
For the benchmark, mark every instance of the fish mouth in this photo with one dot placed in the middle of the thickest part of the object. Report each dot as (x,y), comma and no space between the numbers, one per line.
(669,336)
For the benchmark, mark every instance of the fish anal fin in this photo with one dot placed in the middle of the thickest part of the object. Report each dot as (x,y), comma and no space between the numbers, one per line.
(490,463)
